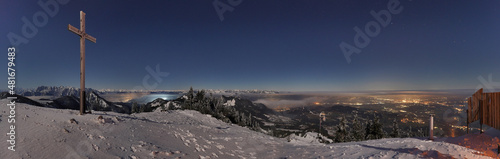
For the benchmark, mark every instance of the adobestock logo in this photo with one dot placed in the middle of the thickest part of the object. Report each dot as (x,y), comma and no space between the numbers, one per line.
(221,7)
(372,29)
(156,74)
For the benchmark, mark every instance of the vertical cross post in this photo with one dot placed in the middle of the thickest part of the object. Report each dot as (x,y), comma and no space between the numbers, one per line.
(83,36)
(82,63)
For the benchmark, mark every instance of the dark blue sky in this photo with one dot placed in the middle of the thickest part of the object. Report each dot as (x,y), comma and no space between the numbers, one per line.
(281,45)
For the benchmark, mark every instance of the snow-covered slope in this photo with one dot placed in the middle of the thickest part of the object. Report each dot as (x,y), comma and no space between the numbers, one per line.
(49,133)
(487,142)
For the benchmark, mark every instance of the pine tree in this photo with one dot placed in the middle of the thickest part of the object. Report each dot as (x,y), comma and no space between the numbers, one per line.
(142,108)
(368,130)
(135,108)
(409,133)
(162,106)
(396,132)
(188,103)
(190,93)
(243,119)
(218,110)
(171,106)
(200,96)
(357,128)
(256,125)
(374,129)
(377,130)
(342,134)
(420,133)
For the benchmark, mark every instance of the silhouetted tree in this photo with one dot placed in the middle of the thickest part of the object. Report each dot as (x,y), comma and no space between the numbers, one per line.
(396,132)
(135,108)
(368,130)
(357,133)
(378,131)
(145,108)
(374,129)
(420,133)
(162,106)
(171,106)
(342,134)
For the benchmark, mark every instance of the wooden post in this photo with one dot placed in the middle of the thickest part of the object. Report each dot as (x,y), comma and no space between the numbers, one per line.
(81,32)
(431,128)
(82,64)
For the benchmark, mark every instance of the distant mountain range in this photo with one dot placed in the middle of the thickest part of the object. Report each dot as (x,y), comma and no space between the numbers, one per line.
(52,91)
(68,98)
(64,97)
(59,91)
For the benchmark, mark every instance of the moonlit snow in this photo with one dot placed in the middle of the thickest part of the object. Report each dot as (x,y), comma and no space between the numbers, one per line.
(230,103)
(48,133)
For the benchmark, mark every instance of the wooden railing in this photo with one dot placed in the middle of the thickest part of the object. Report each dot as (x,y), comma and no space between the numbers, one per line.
(484,107)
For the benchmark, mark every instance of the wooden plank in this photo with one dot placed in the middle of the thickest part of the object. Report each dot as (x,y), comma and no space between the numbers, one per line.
(494,116)
(495,101)
(479,95)
(490,109)
(475,106)
(486,116)
(90,38)
(490,98)
(487,109)
(495,107)
(82,21)
(490,113)
(74,30)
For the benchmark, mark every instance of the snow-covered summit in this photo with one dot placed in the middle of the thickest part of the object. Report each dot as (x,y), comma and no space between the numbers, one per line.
(49,133)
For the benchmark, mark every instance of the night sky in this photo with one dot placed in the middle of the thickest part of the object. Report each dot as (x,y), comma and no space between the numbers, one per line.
(281,45)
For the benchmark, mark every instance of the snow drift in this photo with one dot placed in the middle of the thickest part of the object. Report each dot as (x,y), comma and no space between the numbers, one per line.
(55,133)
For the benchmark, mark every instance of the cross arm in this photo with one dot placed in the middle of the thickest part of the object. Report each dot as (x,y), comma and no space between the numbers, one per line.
(79,33)
(90,38)
(74,30)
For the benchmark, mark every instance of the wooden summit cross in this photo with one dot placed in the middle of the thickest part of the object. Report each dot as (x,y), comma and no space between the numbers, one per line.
(83,36)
